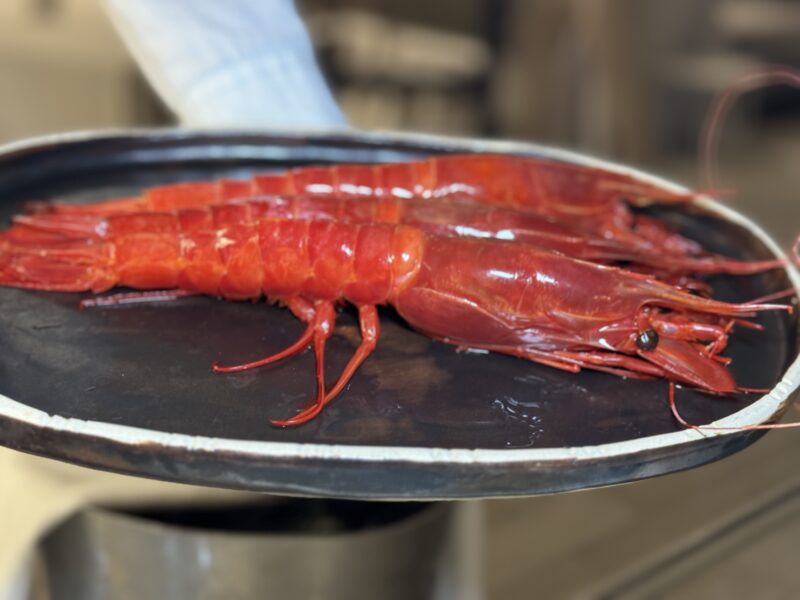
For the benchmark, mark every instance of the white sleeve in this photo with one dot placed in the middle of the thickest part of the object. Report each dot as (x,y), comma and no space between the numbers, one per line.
(228,63)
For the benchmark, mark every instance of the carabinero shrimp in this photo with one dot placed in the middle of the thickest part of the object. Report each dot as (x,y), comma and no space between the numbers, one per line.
(594,199)
(437,216)
(495,295)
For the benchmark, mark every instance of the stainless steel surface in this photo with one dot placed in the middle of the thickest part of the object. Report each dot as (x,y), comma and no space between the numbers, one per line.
(222,555)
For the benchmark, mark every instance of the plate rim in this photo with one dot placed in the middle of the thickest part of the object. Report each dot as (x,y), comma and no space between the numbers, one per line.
(760,411)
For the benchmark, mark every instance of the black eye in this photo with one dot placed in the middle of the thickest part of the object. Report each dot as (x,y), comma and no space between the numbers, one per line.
(647,340)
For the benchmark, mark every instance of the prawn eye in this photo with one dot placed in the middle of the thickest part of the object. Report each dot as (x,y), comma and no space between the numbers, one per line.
(647,340)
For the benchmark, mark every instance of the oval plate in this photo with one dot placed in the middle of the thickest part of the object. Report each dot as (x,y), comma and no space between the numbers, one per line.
(129,389)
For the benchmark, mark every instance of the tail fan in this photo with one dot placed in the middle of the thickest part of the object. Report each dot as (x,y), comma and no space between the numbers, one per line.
(64,266)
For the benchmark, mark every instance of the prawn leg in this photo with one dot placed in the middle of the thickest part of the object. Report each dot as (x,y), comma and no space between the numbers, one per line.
(616,364)
(538,356)
(323,323)
(370,329)
(321,318)
(304,311)
(573,362)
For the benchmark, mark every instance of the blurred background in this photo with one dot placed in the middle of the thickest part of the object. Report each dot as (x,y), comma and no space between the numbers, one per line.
(628,80)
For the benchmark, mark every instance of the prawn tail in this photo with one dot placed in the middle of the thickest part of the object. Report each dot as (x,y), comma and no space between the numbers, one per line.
(113,206)
(176,196)
(53,226)
(57,265)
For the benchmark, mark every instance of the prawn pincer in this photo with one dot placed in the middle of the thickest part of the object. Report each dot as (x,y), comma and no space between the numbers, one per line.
(495,295)
(594,199)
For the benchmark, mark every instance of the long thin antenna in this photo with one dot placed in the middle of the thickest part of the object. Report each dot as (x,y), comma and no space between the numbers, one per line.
(688,425)
(721,105)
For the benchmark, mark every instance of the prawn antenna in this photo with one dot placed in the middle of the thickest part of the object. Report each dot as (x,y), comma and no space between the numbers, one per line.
(721,105)
(764,426)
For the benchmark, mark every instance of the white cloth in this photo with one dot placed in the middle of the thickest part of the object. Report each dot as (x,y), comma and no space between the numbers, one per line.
(228,63)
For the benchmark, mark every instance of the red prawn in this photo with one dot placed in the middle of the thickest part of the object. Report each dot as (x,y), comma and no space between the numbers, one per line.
(593,199)
(499,296)
(437,216)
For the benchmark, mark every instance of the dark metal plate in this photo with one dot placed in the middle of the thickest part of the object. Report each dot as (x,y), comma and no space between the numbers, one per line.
(147,367)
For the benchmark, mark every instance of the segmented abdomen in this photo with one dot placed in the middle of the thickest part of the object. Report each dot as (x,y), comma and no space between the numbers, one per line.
(545,186)
(364,264)
(495,179)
